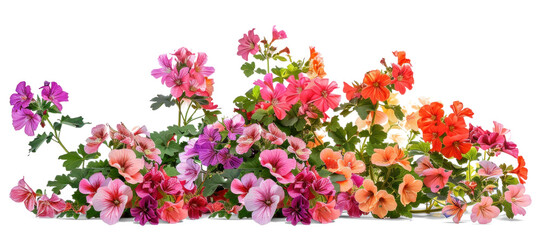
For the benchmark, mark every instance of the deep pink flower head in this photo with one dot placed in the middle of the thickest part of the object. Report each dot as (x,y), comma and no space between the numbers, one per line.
(515,195)
(475,133)
(22,98)
(151,184)
(320,94)
(172,185)
(91,185)
(436,179)
(402,78)
(275,135)
(323,186)
(27,119)
(298,147)
(280,166)
(510,148)
(148,148)
(302,186)
(298,212)
(250,135)
(49,207)
(357,180)
(277,35)
(147,211)
(184,56)
(491,141)
(263,200)
(347,202)
(242,186)
(199,71)
(99,135)
(234,126)
(196,207)
(189,171)
(111,200)
(489,170)
(53,92)
(325,213)
(165,70)
(23,193)
(295,88)
(484,212)
(178,81)
(248,45)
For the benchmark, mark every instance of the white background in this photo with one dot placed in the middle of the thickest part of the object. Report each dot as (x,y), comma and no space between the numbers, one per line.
(485,54)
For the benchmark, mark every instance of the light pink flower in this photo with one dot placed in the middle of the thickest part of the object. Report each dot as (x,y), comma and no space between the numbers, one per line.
(49,207)
(280,166)
(123,135)
(483,211)
(24,193)
(515,195)
(99,134)
(111,200)
(250,135)
(489,170)
(127,164)
(498,128)
(263,200)
(248,45)
(148,147)
(298,147)
(91,185)
(199,71)
(243,186)
(275,135)
(436,179)
(189,171)
(274,96)
(277,35)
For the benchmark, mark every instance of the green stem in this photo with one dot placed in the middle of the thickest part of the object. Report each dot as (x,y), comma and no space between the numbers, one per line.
(186,115)
(179,104)
(427,210)
(56,136)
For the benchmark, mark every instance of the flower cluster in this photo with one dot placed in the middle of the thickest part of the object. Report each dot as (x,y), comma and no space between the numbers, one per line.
(286,151)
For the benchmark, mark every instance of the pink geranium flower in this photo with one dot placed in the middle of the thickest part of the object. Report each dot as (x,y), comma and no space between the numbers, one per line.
(111,201)
(275,135)
(99,135)
(298,147)
(243,186)
(423,163)
(325,213)
(53,92)
(457,208)
(280,166)
(91,185)
(436,179)
(189,171)
(263,200)
(127,164)
(27,119)
(483,211)
(123,135)
(515,195)
(320,94)
(248,45)
(489,170)
(173,212)
(250,135)
(24,193)
(402,78)
(49,207)
(165,70)
(184,56)
(295,88)
(199,71)
(148,148)
(178,82)
(277,35)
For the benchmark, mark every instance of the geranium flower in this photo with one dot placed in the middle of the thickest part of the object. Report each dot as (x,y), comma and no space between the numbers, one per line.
(510,148)
(54,94)
(484,212)
(489,170)
(27,119)
(111,200)
(376,89)
(242,187)
(248,45)
(456,208)
(184,56)
(189,171)
(228,160)
(383,203)
(460,111)
(295,88)
(91,185)
(366,197)
(515,195)
(436,179)
(277,99)
(455,126)
(250,135)
(401,55)
(347,184)
(491,141)
(99,135)
(402,78)
(298,211)
(330,158)
(430,115)
(23,193)
(432,134)
(151,184)
(148,148)
(279,165)
(455,146)
(173,212)
(127,164)
(146,211)
(423,163)
(22,98)
(208,155)
(408,189)
(165,70)
(123,135)
(352,91)
(234,126)
(521,171)
(349,160)
(277,35)
(178,81)
(316,66)
(196,207)
(347,202)
(381,119)
(298,147)
(323,186)
(49,207)
(411,121)
(318,140)
(389,156)
(199,71)
(320,94)
(274,135)
(325,213)
(303,184)
(475,132)
(263,200)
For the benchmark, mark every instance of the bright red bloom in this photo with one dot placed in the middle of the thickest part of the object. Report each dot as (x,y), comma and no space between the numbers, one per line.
(401,57)
(430,115)
(455,126)
(376,88)
(455,146)
(402,78)
(196,207)
(460,111)
(521,171)
(432,134)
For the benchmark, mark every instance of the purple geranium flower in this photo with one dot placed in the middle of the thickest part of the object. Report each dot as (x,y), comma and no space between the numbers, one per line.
(228,160)
(302,185)
(298,212)
(210,135)
(22,98)
(54,93)
(27,119)
(146,212)
(234,126)
(190,150)
(208,155)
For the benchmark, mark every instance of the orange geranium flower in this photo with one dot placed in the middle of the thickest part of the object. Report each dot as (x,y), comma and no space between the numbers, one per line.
(366,197)
(352,91)
(521,171)
(430,115)
(408,189)
(351,162)
(455,146)
(383,203)
(389,156)
(316,68)
(381,119)
(330,158)
(401,55)
(376,83)
(347,184)
(318,139)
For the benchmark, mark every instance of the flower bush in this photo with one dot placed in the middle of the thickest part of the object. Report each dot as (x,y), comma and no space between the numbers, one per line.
(285,152)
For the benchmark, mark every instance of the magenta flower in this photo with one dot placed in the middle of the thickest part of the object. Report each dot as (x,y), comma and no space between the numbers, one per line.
(49,207)
(207,154)
(515,195)
(111,200)
(323,186)
(491,141)
(178,82)
(298,211)
(99,135)
(234,126)
(172,185)
(184,56)
(22,98)
(489,170)
(302,185)
(483,211)
(147,211)
(510,148)
(199,71)
(190,150)
(54,94)
(275,135)
(27,119)
(347,202)
(298,147)
(242,187)
(250,135)
(151,184)
(24,193)
(263,200)
(248,45)
(280,166)
(228,160)
(165,70)
(357,180)
(277,35)
(189,171)
(91,185)
(277,100)
(148,148)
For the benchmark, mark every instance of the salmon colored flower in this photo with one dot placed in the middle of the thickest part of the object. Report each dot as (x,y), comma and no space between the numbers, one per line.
(173,212)
(250,135)
(274,135)
(489,170)
(352,91)
(436,179)
(319,93)
(521,171)
(402,78)
(457,208)
(346,184)
(455,146)
(376,89)
(515,195)
(408,189)
(383,203)
(318,139)
(148,148)
(127,164)
(316,67)
(483,212)
(356,166)
(330,158)
(411,121)
(366,197)
(423,163)
(325,213)
(389,156)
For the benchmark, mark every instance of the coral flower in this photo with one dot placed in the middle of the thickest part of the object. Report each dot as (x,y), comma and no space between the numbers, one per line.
(521,171)
(489,170)
(99,135)
(381,119)
(430,115)
(280,166)
(484,212)
(295,88)
(325,213)
(366,197)
(49,207)
(383,203)
(298,147)
(91,185)
(242,186)
(389,156)
(460,111)
(263,200)
(408,189)
(127,164)
(275,135)
(423,163)
(455,126)
(515,195)
(376,89)
(352,91)
(436,179)
(298,212)
(27,119)
(123,135)
(320,94)
(455,146)
(248,45)
(173,212)
(23,193)
(316,67)
(402,78)
(318,140)
(148,148)
(330,158)
(356,166)
(250,135)
(22,98)
(111,200)
(457,208)
(54,93)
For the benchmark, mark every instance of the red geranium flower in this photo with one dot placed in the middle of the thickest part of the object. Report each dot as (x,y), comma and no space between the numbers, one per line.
(521,171)
(376,88)
(455,146)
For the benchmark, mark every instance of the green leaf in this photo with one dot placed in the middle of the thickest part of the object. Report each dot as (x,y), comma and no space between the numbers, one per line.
(259,57)
(333,124)
(74,122)
(59,183)
(259,114)
(377,135)
(73,160)
(337,177)
(212,183)
(508,210)
(398,112)
(171,171)
(38,140)
(364,108)
(160,100)
(243,213)
(248,68)
(280,58)
(289,120)
(261,71)
(471,155)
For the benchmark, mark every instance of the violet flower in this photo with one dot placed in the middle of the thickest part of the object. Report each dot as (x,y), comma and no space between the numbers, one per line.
(298,212)
(208,155)
(146,212)
(228,160)
(22,98)
(27,119)
(189,171)
(234,126)
(54,93)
